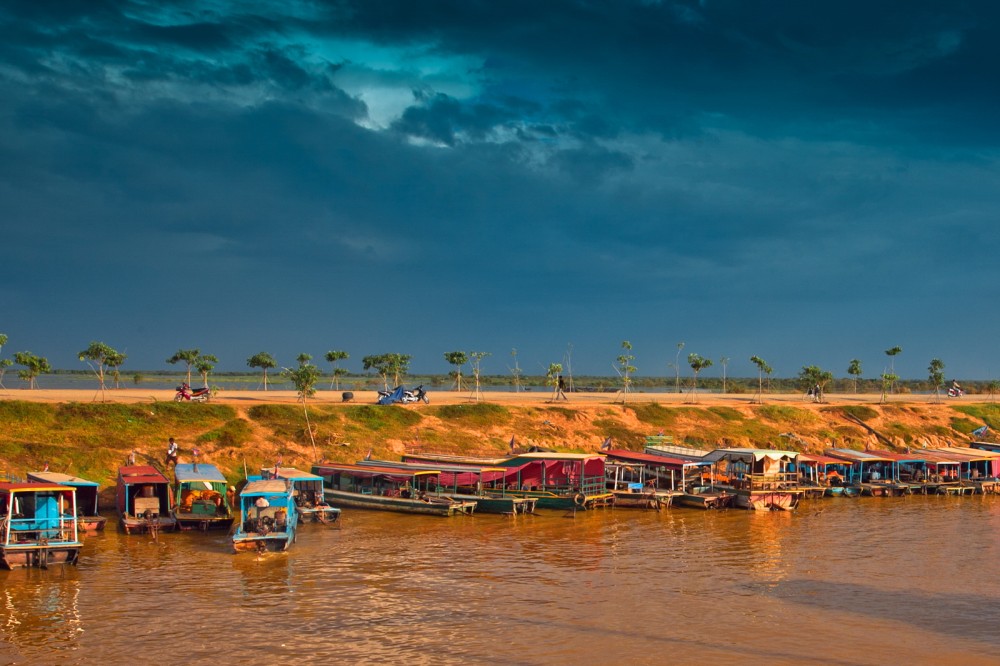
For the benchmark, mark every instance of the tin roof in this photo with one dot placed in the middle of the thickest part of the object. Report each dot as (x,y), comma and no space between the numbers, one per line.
(132,474)
(60,478)
(185,472)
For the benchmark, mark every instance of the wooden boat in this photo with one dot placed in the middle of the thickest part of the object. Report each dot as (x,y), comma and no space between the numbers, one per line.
(670,478)
(307,490)
(634,488)
(388,489)
(86,497)
(199,499)
(567,481)
(761,479)
(483,485)
(144,500)
(267,517)
(38,525)
(872,473)
(705,497)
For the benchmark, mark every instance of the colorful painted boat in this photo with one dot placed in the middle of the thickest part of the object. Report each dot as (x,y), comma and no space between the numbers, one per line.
(388,489)
(566,481)
(38,525)
(199,498)
(483,485)
(307,489)
(267,517)
(679,478)
(761,479)
(86,497)
(144,500)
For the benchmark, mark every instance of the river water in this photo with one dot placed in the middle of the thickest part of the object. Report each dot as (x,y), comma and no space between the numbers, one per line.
(840,581)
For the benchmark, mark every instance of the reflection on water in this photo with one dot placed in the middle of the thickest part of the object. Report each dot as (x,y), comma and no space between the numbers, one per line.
(840,581)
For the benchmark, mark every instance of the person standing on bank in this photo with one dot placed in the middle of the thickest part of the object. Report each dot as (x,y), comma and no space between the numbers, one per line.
(172,449)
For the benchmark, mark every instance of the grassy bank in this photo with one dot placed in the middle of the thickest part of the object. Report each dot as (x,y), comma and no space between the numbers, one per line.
(93,439)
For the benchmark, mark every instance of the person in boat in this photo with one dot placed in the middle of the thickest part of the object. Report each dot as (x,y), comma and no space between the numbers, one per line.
(172,449)
(875,475)
(195,454)
(231,496)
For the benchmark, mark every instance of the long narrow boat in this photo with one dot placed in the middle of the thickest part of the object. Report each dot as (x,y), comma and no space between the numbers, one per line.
(824,476)
(38,525)
(387,489)
(686,470)
(144,500)
(565,481)
(199,499)
(307,489)
(267,517)
(483,485)
(86,497)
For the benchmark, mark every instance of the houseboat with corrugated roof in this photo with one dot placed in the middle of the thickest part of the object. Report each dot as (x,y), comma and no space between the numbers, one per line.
(38,525)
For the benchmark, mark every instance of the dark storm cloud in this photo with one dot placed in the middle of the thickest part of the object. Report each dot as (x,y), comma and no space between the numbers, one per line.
(762,177)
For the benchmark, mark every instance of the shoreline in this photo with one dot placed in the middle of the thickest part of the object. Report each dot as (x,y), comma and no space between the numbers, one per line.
(524,398)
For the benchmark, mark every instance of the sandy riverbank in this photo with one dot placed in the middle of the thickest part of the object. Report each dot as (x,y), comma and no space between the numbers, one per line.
(527,398)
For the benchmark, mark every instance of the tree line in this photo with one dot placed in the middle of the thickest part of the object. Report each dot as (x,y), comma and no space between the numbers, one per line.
(106,363)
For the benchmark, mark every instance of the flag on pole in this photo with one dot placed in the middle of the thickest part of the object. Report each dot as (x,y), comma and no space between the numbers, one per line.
(512,443)
(979,432)
(368,456)
(607,444)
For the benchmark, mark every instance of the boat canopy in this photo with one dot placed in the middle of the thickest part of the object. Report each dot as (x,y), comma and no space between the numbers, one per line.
(186,473)
(670,450)
(29,487)
(445,459)
(265,487)
(900,457)
(857,456)
(807,458)
(397,474)
(747,455)
(292,474)
(450,475)
(132,474)
(62,479)
(651,460)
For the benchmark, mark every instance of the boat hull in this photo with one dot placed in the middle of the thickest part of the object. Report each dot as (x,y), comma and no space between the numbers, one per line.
(93,523)
(399,504)
(255,542)
(138,525)
(42,556)
(648,500)
(192,521)
(497,504)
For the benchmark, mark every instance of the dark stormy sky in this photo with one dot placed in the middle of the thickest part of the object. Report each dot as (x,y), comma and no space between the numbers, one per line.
(809,182)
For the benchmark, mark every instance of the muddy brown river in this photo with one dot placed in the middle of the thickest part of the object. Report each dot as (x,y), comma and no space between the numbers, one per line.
(840,581)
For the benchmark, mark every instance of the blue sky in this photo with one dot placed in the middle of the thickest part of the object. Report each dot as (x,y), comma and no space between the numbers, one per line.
(805,182)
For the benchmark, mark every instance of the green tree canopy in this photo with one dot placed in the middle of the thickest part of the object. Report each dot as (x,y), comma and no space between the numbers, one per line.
(812,376)
(33,367)
(936,375)
(334,357)
(698,363)
(457,359)
(854,369)
(204,364)
(97,355)
(187,356)
(264,361)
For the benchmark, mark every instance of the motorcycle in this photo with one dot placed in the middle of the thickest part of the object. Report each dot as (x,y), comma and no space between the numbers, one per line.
(185,392)
(416,395)
(403,395)
(955,392)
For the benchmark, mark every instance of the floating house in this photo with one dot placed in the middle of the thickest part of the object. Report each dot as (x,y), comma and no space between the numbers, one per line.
(38,525)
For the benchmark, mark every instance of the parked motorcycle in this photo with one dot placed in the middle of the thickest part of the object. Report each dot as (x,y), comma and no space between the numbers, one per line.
(185,392)
(403,395)
(416,395)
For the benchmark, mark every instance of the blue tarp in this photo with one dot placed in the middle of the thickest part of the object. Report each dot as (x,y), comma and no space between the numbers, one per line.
(394,397)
